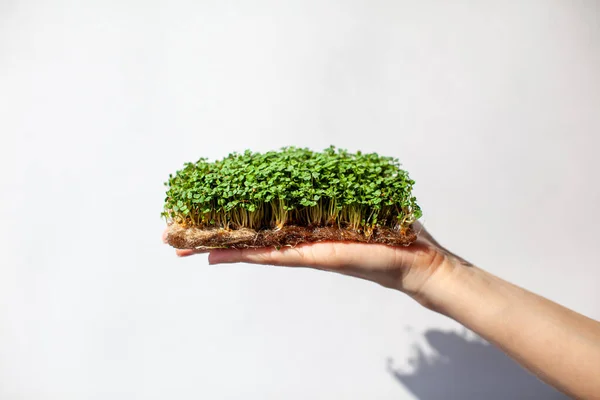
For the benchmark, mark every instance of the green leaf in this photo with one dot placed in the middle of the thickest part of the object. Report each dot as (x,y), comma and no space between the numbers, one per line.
(293,185)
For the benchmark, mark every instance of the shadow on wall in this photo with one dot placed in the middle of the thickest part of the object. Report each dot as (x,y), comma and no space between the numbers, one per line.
(469,370)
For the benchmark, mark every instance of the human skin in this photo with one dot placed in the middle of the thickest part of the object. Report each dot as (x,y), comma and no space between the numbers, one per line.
(556,344)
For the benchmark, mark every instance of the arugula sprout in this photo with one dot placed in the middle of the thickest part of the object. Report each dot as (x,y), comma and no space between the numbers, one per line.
(293,186)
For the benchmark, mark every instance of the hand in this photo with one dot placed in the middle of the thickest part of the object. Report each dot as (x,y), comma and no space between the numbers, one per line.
(409,269)
(519,322)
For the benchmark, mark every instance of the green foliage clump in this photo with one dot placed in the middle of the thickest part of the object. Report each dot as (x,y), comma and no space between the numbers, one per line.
(293,186)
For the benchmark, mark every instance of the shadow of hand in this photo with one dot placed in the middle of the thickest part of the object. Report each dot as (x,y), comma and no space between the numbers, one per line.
(469,370)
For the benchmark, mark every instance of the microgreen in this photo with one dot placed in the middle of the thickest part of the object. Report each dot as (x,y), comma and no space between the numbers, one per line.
(293,186)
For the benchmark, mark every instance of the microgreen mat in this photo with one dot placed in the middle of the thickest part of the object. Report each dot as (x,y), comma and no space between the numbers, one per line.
(293,186)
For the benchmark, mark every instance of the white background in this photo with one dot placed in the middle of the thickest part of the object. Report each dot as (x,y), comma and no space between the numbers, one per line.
(492,107)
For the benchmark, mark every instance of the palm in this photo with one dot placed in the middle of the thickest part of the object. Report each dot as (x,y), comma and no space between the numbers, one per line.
(404,268)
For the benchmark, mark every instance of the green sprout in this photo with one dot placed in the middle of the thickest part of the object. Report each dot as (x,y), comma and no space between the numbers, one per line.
(293,186)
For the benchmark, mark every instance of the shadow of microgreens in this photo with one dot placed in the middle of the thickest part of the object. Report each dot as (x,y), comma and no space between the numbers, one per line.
(468,370)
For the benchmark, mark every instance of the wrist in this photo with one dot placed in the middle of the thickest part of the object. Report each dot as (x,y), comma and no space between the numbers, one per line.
(440,292)
(468,295)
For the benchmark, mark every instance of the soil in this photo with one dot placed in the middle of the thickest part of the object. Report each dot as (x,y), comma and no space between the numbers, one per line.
(182,237)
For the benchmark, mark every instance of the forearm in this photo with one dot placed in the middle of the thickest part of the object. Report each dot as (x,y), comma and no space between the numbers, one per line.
(558,345)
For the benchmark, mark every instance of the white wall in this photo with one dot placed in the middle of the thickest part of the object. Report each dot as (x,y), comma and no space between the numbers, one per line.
(492,107)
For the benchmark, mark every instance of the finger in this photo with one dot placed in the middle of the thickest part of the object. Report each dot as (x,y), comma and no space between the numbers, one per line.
(164,235)
(189,252)
(325,255)
(375,262)
(184,252)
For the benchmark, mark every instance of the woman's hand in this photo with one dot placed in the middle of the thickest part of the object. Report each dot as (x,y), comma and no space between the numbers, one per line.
(558,345)
(410,269)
